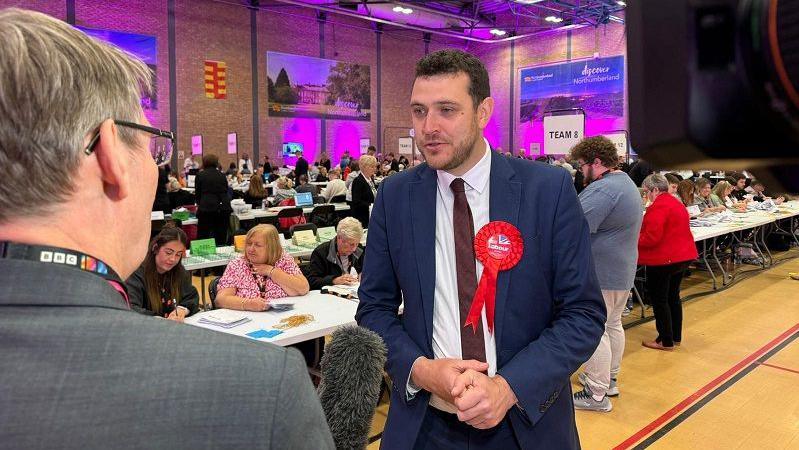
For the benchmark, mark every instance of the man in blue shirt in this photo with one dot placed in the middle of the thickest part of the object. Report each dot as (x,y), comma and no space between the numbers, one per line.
(612,206)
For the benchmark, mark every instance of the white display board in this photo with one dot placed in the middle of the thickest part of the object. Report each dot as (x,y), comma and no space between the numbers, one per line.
(619,139)
(561,133)
(405,145)
(364,145)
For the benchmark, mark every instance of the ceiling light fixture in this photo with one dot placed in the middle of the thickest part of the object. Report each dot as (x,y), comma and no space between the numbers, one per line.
(528,2)
(497,32)
(621,3)
(403,10)
(554,19)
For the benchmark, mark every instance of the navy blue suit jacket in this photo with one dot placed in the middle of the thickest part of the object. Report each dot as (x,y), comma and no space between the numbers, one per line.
(549,313)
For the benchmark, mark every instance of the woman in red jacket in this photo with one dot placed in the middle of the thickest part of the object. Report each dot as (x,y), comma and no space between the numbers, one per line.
(666,247)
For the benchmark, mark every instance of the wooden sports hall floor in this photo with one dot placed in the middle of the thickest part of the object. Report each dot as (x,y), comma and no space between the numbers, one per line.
(731,385)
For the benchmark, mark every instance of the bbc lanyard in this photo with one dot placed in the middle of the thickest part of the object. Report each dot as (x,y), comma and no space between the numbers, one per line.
(65,257)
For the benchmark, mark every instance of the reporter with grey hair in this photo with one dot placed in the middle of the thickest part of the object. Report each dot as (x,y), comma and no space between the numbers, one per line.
(81,370)
(332,262)
(666,247)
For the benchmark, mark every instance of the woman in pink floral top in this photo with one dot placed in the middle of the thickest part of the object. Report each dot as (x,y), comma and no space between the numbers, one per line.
(263,273)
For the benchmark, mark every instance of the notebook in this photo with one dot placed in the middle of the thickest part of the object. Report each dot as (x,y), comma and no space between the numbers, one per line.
(224,318)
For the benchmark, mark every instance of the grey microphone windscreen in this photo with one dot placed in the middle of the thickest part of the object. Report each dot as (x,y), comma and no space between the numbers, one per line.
(352,371)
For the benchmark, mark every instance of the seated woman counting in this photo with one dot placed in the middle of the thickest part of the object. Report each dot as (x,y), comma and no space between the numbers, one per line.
(707,204)
(333,262)
(722,195)
(161,286)
(265,272)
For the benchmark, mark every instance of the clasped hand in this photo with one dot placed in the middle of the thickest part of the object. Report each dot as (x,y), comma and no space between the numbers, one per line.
(482,401)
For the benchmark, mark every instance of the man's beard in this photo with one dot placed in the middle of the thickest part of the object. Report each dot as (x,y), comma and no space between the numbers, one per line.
(588,179)
(461,153)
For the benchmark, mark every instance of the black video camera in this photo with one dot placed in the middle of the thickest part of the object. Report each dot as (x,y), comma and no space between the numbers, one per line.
(715,83)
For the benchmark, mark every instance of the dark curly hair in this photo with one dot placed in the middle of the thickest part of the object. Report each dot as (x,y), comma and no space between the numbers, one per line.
(596,147)
(453,62)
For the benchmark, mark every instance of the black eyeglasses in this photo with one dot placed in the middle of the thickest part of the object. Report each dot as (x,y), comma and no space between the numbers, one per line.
(162,142)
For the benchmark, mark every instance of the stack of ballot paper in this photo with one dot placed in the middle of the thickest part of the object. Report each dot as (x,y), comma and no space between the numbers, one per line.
(224,318)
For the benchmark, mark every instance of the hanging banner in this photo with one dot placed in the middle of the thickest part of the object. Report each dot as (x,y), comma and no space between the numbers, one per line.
(197,144)
(232,144)
(216,80)
(561,133)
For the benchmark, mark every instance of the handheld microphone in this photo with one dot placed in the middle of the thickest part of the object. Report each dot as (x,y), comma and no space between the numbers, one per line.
(352,370)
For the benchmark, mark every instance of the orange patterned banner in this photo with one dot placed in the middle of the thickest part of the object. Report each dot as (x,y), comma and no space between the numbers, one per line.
(215,79)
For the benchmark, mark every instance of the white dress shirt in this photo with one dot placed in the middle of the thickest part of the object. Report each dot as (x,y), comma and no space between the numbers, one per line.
(447,322)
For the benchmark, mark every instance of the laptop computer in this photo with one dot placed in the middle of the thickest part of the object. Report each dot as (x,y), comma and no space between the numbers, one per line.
(302,199)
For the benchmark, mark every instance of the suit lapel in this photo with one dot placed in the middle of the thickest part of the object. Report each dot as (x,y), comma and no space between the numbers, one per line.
(504,202)
(422,199)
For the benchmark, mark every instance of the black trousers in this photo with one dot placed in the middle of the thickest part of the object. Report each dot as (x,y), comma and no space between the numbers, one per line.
(663,289)
(213,225)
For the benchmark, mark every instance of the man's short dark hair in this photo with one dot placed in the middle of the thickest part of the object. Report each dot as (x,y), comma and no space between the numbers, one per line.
(210,160)
(453,62)
(596,147)
(738,176)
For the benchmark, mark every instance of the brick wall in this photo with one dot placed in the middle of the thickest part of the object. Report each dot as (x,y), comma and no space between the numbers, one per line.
(225,38)
(57,9)
(216,31)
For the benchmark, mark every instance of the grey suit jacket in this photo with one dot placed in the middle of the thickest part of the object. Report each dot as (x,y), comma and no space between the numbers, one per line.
(80,370)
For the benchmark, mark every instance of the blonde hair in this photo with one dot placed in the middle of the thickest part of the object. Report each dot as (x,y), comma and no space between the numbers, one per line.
(721,188)
(367,160)
(273,249)
(284,183)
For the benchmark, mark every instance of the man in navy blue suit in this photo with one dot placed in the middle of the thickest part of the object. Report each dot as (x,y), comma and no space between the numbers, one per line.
(474,367)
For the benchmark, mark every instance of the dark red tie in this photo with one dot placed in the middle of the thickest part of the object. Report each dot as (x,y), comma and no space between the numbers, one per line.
(472,343)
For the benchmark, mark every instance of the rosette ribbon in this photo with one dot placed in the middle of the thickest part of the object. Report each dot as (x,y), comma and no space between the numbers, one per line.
(498,246)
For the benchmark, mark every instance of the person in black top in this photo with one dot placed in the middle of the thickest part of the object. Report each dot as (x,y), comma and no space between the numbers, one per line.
(739,187)
(161,286)
(213,201)
(324,161)
(392,162)
(301,168)
(305,186)
(256,193)
(364,190)
(322,177)
(332,262)
(640,170)
(267,165)
(161,202)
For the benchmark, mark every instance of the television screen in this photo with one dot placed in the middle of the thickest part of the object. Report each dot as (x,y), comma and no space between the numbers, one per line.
(291,148)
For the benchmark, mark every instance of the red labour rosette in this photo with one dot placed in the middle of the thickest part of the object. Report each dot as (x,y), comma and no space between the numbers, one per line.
(498,246)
